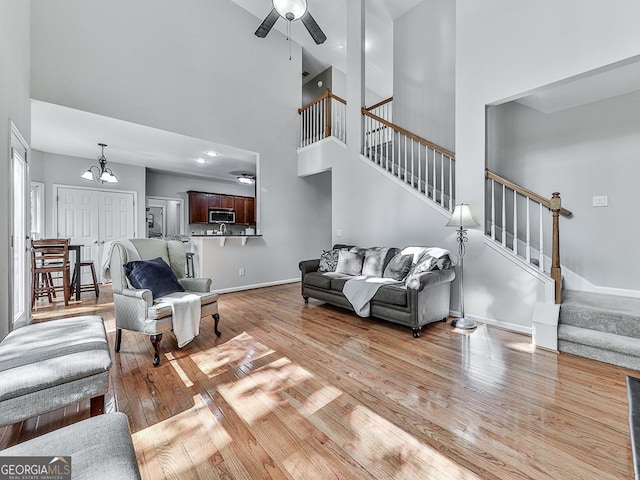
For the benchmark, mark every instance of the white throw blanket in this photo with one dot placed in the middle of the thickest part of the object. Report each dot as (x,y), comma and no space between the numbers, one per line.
(186,315)
(132,254)
(360,290)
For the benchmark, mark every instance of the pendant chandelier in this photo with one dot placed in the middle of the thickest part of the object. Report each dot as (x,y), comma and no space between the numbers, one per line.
(100,173)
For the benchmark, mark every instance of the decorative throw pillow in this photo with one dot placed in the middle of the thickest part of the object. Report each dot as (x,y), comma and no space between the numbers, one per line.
(373,264)
(416,252)
(154,275)
(329,260)
(433,259)
(398,267)
(349,263)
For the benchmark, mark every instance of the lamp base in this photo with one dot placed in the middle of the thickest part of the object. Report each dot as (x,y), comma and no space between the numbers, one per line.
(464,323)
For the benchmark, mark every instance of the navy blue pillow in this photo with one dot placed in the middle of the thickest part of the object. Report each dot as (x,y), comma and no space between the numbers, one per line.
(154,275)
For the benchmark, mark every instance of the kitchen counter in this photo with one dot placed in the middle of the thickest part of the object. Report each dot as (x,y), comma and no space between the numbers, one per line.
(223,238)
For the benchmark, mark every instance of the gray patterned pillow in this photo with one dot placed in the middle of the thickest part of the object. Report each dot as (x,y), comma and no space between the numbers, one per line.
(328,260)
(349,263)
(434,259)
(398,267)
(374,258)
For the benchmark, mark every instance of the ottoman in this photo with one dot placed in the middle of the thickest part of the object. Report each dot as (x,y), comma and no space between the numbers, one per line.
(45,366)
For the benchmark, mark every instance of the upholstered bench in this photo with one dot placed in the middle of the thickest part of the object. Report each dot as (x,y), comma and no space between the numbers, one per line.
(99,447)
(45,366)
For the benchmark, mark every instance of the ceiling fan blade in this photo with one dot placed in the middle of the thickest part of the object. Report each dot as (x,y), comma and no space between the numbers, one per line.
(314,30)
(267,24)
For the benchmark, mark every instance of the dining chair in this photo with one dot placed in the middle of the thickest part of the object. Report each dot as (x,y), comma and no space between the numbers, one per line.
(49,256)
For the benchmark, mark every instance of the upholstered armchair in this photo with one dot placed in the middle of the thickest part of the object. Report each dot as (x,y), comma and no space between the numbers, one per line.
(136,309)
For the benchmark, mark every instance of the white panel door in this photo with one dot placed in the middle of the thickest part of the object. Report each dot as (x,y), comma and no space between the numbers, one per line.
(78,221)
(116,219)
(19,234)
(91,218)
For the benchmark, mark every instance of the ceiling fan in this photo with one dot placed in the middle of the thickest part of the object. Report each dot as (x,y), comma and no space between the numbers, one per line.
(291,10)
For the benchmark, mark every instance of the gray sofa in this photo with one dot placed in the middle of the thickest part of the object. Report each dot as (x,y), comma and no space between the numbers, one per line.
(413,304)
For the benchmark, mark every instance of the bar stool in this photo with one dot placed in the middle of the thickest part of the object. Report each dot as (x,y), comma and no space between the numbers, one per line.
(190,273)
(47,257)
(87,287)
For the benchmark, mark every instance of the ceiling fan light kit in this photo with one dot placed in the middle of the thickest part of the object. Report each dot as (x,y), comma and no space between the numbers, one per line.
(291,10)
(246,179)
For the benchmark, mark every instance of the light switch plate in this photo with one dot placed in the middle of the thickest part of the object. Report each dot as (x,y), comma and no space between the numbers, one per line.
(601,201)
(338,233)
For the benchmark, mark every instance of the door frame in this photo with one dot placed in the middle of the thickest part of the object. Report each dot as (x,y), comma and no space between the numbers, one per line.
(15,132)
(183,222)
(54,204)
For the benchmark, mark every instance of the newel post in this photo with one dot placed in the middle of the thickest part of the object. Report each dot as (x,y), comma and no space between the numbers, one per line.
(327,114)
(556,274)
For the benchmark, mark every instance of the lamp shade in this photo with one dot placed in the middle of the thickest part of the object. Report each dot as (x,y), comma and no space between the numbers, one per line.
(462,217)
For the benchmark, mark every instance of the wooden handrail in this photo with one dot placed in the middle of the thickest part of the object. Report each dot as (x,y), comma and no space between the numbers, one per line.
(326,94)
(527,193)
(379,104)
(336,97)
(418,139)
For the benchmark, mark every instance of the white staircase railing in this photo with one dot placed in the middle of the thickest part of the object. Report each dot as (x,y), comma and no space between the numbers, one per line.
(516,219)
(323,118)
(423,165)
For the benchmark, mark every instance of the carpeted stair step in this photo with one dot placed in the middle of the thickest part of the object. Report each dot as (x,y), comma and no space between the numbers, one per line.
(603,313)
(601,327)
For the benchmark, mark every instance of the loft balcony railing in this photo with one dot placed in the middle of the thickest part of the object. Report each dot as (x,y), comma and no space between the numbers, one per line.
(425,166)
(517,219)
(323,118)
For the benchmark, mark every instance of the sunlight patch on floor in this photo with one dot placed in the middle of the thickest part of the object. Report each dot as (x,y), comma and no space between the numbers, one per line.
(235,352)
(389,452)
(168,436)
(181,373)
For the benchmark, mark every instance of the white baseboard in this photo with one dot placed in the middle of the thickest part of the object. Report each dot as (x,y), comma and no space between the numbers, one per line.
(512,327)
(257,285)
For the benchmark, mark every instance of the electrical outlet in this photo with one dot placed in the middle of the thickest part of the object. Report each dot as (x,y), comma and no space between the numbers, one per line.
(338,233)
(241,272)
(601,201)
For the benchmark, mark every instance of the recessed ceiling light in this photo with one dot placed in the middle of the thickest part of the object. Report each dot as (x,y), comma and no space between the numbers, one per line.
(201,160)
(211,153)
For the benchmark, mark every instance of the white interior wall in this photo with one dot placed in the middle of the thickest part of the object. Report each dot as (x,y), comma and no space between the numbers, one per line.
(190,67)
(424,42)
(590,150)
(504,49)
(14,107)
(52,169)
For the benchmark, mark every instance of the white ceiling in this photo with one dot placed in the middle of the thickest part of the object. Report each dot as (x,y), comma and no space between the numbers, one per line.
(331,17)
(66,131)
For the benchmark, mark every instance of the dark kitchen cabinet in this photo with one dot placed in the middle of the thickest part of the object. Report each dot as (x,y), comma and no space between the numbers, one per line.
(250,211)
(239,207)
(215,200)
(198,207)
(226,201)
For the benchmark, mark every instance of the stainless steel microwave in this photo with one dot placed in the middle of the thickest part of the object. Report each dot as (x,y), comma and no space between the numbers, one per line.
(222,216)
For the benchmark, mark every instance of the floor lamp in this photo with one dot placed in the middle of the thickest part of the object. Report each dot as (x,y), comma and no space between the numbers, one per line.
(462,218)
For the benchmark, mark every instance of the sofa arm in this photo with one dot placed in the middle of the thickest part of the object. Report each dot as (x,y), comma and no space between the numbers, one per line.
(195,284)
(433,278)
(307,266)
(141,293)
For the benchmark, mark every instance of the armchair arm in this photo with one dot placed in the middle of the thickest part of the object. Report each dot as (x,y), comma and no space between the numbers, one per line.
(433,278)
(195,284)
(142,294)
(307,266)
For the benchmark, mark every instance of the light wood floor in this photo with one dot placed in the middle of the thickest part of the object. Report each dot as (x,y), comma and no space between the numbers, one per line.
(314,392)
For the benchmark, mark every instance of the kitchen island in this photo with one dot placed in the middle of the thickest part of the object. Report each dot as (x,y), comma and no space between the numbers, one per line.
(226,258)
